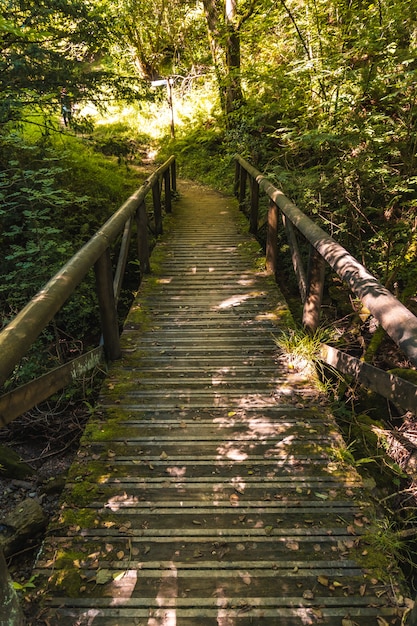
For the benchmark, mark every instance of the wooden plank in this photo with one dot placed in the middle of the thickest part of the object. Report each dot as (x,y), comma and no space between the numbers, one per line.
(24,398)
(387,385)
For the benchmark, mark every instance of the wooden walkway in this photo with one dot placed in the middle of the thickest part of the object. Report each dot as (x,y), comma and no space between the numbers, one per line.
(207,489)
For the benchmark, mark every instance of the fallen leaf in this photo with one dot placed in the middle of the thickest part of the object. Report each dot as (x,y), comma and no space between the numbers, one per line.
(163,455)
(234,499)
(292,545)
(323,581)
(318,613)
(381,621)
(308,594)
(362,590)
(120,555)
(103,576)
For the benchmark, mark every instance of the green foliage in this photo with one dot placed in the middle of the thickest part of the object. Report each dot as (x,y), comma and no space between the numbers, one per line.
(302,350)
(24,587)
(55,193)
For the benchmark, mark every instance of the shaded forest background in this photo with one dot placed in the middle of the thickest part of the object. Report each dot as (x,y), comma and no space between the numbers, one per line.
(320,95)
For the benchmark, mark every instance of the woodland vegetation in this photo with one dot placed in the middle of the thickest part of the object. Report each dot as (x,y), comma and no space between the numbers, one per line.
(320,95)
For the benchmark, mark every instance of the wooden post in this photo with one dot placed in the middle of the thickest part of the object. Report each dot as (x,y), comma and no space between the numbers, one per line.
(122,261)
(167,190)
(272,239)
(157,211)
(173,170)
(296,258)
(314,295)
(143,239)
(237,179)
(254,206)
(242,188)
(107,305)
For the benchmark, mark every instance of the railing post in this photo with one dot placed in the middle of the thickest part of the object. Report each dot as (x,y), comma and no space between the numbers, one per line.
(167,190)
(173,170)
(242,188)
(157,210)
(238,168)
(107,306)
(143,239)
(254,207)
(122,260)
(272,239)
(297,261)
(314,295)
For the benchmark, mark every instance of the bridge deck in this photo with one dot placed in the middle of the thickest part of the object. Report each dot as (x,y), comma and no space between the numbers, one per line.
(207,488)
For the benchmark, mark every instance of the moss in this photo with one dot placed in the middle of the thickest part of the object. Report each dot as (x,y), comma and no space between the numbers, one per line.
(78,518)
(406,374)
(362,432)
(139,317)
(109,429)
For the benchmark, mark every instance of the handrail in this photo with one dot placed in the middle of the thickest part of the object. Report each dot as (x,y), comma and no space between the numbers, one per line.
(23,330)
(398,322)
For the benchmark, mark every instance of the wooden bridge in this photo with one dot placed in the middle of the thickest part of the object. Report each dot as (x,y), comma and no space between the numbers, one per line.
(209,487)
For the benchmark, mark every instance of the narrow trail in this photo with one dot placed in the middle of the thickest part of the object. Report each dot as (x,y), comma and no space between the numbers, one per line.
(207,488)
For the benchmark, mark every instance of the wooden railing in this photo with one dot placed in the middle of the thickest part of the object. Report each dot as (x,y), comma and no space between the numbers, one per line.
(398,322)
(21,333)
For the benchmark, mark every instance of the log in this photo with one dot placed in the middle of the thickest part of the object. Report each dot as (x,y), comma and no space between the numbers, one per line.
(12,466)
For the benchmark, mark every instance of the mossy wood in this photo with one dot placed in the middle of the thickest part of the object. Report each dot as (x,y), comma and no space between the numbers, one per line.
(208,486)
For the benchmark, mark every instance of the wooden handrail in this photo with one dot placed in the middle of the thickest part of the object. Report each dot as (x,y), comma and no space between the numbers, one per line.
(23,330)
(398,322)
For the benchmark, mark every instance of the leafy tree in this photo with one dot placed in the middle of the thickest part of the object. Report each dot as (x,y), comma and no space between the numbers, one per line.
(163,37)
(49,45)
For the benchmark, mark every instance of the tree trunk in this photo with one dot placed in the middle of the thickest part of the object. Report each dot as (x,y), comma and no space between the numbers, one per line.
(233,86)
(224,38)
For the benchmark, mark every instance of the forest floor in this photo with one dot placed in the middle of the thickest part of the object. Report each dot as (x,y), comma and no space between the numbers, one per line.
(50,458)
